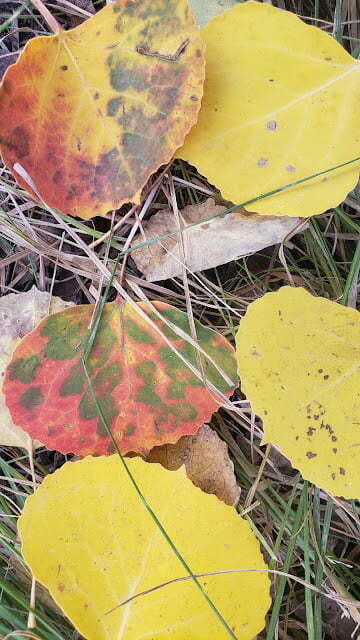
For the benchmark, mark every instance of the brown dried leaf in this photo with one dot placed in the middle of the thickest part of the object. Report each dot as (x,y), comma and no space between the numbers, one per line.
(218,241)
(206,461)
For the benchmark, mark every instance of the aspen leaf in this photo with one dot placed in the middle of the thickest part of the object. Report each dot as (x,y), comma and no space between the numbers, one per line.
(241,233)
(90,115)
(281,103)
(299,363)
(19,314)
(146,393)
(206,460)
(90,540)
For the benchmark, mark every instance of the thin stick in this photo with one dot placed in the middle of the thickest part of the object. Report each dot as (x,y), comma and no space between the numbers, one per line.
(332,596)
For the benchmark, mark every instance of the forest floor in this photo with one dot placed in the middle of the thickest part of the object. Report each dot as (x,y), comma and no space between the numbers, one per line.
(37,250)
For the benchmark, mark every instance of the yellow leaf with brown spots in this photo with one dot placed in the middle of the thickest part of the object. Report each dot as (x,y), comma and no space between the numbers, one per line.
(19,314)
(89,114)
(299,363)
(206,460)
(89,539)
(281,103)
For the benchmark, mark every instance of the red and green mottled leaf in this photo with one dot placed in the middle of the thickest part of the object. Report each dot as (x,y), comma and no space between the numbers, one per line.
(89,114)
(145,391)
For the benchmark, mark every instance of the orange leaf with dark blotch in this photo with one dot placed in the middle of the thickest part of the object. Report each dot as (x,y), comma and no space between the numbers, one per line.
(146,393)
(91,113)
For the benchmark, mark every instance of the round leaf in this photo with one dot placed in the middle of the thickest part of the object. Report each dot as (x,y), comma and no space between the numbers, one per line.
(89,114)
(101,547)
(281,103)
(299,363)
(145,393)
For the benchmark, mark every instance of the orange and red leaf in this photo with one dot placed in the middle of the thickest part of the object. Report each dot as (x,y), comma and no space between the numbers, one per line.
(89,114)
(146,393)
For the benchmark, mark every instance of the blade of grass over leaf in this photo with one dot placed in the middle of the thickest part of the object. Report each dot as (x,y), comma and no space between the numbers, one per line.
(244,204)
(152,513)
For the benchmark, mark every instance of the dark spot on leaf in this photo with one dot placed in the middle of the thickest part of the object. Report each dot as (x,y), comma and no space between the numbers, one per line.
(113,106)
(334,450)
(326,377)
(18,142)
(271,125)
(342,471)
(64,67)
(333,476)
(57,176)
(31,398)
(310,454)
(24,369)
(130,429)
(262,162)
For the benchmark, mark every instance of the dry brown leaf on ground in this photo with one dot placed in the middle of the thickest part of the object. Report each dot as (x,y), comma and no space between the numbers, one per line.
(218,241)
(19,314)
(206,461)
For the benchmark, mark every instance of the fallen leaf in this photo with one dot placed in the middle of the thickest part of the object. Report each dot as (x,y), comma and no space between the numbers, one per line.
(146,393)
(19,314)
(281,103)
(206,10)
(206,460)
(240,234)
(299,363)
(90,540)
(90,115)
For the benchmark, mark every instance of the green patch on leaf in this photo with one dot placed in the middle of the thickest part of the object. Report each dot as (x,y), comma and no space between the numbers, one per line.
(31,398)
(137,333)
(24,369)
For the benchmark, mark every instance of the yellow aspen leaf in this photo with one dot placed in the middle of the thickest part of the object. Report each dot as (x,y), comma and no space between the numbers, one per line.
(281,103)
(206,460)
(90,113)
(299,363)
(19,314)
(87,536)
